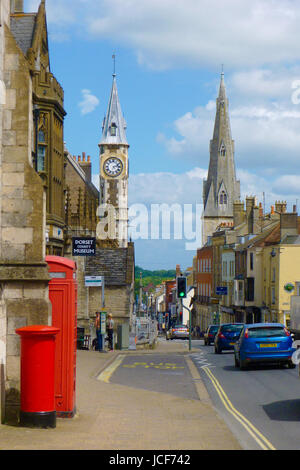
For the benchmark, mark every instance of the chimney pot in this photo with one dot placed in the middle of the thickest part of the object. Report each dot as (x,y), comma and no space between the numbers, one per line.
(18,6)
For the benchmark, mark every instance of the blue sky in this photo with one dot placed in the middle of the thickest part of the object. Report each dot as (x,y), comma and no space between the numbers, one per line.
(168,63)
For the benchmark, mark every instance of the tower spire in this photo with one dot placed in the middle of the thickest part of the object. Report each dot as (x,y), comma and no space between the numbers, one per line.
(114,124)
(221,188)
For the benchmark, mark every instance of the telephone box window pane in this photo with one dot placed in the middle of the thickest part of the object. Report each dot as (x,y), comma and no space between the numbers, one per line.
(58,275)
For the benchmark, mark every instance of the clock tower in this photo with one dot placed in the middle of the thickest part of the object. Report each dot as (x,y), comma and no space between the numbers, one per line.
(114,174)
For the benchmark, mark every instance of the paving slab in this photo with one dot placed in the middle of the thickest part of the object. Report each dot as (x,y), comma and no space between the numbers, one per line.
(110,416)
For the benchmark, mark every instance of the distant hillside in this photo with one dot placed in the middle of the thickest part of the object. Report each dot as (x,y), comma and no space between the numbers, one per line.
(165,274)
(152,277)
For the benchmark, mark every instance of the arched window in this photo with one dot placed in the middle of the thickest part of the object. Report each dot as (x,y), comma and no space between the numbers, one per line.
(222,150)
(113,129)
(41,136)
(223,198)
(41,150)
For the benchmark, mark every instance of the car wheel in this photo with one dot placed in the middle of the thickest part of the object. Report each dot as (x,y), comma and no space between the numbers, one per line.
(236,362)
(243,365)
(217,350)
(291,365)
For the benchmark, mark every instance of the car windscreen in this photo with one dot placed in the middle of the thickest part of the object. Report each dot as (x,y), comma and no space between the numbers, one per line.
(213,329)
(180,326)
(231,328)
(266,332)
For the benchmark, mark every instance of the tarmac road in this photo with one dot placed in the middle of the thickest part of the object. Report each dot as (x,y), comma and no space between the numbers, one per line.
(158,373)
(266,397)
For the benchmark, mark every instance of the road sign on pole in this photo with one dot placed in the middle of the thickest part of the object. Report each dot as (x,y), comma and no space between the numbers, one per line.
(221,290)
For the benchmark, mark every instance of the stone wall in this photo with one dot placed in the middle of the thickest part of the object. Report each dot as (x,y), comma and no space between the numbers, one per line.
(117,302)
(23,272)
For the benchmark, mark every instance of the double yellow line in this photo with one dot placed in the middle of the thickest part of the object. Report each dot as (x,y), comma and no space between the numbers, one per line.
(261,440)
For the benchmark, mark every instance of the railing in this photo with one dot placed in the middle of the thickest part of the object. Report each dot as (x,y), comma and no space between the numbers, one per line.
(144,330)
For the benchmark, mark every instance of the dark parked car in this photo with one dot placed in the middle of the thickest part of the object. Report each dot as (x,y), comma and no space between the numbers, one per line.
(227,335)
(209,335)
(264,343)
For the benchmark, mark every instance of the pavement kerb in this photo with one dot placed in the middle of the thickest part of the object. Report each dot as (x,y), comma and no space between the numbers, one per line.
(198,382)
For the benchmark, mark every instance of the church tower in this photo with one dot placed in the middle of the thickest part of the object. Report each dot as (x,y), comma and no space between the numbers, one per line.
(114,171)
(220,189)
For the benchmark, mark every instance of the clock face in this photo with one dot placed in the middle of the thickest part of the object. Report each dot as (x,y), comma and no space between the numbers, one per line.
(113,166)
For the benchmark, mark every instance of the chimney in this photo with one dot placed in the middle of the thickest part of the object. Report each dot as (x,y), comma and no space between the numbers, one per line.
(280,206)
(261,210)
(250,204)
(238,213)
(17,6)
(288,224)
(294,208)
(86,166)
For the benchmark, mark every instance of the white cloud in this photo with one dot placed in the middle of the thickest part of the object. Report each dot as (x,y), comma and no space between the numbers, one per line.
(266,133)
(167,33)
(88,103)
(168,188)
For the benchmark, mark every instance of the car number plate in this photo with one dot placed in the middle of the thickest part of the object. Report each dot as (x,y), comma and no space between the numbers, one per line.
(269,345)
(231,344)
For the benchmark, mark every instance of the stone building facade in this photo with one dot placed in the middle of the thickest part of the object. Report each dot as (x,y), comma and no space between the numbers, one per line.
(81,203)
(30,33)
(24,274)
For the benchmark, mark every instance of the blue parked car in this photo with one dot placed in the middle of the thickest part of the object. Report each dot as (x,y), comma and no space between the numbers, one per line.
(264,343)
(227,335)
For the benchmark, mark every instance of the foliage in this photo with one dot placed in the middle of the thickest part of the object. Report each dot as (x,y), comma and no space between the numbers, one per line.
(152,277)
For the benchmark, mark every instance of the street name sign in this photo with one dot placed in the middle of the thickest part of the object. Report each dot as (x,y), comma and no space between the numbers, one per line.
(221,290)
(93,281)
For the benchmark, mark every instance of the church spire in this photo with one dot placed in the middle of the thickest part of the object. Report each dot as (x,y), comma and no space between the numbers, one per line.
(114,124)
(221,188)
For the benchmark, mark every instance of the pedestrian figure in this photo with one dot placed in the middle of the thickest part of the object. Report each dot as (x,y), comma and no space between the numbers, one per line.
(110,332)
(98,332)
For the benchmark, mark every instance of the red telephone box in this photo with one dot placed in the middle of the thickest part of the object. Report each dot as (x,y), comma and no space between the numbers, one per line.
(63,296)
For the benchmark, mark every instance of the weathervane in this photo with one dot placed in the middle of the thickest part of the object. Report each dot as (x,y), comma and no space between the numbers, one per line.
(114,62)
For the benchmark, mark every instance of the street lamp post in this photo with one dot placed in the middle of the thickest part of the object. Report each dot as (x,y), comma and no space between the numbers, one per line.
(190,326)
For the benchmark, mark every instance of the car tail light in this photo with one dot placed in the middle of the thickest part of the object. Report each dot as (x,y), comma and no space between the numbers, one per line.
(210,335)
(246,333)
(220,335)
(287,332)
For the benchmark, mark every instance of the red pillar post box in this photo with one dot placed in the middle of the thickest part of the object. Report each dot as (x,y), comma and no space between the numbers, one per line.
(37,376)
(63,296)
